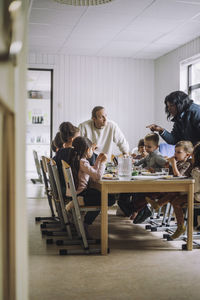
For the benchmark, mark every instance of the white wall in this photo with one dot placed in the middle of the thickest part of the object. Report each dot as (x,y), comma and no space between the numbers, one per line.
(124,86)
(167,76)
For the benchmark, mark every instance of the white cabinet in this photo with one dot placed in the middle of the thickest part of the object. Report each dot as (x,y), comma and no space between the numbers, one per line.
(38,129)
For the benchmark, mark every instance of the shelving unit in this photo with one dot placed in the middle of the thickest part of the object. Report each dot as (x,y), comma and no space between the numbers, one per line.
(38,128)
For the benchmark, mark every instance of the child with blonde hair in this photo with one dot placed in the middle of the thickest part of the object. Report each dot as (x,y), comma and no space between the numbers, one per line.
(181,164)
(179,201)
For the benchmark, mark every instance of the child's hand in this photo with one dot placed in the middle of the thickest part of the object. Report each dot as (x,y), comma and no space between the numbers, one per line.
(133,155)
(103,158)
(144,153)
(172,160)
(100,156)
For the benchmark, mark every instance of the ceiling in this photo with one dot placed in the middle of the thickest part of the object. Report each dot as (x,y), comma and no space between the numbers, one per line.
(123,28)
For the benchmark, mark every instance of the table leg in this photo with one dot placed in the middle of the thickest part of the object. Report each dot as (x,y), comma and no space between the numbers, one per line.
(104,221)
(190,217)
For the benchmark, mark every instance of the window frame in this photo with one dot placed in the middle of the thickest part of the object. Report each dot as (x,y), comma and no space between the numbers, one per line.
(191,87)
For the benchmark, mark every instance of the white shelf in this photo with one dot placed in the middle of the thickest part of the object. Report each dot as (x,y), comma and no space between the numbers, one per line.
(36,124)
(38,144)
(39,99)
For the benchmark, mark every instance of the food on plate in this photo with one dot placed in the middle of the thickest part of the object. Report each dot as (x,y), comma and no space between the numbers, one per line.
(107,176)
(110,176)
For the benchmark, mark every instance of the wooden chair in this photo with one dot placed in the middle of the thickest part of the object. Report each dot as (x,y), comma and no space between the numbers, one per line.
(77,210)
(48,192)
(196,235)
(64,224)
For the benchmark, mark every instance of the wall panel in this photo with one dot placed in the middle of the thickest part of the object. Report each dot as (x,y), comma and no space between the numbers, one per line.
(124,86)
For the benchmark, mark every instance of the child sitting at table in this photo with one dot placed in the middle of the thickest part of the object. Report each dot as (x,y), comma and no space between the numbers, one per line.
(181,165)
(82,171)
(68,132)
(140,152)
(154,161)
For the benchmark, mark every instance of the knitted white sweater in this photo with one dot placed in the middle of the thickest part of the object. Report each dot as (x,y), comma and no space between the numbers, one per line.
(105,137)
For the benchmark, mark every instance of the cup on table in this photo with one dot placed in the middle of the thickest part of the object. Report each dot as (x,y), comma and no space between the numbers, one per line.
(125,167)
(165,171)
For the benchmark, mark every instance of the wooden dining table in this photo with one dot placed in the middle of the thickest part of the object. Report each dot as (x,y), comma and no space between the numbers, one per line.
(143,186)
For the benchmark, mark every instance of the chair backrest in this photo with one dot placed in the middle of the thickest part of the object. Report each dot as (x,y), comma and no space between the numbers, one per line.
(167,149)
(44,172)
(56,186)
(69,180)
(37,164)
(51,178)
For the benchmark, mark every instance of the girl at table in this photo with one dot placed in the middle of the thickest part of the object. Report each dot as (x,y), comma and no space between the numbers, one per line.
(68,132)
(82,172)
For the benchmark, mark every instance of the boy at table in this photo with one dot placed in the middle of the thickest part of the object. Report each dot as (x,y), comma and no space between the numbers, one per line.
(153,162)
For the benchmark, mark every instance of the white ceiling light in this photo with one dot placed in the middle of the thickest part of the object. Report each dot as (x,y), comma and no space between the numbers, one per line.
(83,2)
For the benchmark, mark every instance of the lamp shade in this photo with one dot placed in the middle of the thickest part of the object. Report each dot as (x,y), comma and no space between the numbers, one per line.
(83,2)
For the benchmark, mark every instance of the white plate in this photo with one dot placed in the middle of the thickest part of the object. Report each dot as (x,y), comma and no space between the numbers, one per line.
(168,177)
(109,178)
(151,174)
(143,177)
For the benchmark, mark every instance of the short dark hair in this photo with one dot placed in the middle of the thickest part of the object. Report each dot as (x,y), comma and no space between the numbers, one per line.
(180,99)
(186,145)
(141,143)
(154,137)
(67,130)
(95,110)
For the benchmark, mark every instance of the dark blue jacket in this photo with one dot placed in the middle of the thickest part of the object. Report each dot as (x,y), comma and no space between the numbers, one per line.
(186,126)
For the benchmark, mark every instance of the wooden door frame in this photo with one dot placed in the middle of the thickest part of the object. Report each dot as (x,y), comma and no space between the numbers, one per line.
(8,202)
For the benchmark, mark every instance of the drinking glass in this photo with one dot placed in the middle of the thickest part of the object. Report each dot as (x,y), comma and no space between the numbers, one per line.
(165,171)
(125,167)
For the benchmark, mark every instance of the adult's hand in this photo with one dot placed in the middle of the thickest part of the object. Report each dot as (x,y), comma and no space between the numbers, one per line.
(155,127)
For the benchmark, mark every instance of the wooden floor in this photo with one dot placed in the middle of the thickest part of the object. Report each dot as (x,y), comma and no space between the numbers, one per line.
(140,265)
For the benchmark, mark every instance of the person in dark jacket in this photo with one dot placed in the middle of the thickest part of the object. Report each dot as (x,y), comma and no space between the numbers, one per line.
(185,114)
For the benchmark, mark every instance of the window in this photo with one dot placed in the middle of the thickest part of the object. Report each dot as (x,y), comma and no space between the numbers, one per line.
(194,81)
